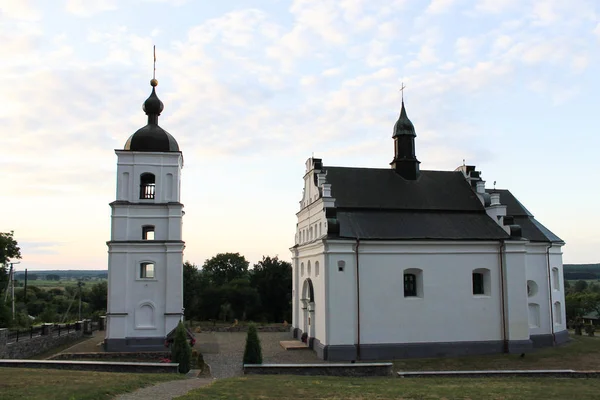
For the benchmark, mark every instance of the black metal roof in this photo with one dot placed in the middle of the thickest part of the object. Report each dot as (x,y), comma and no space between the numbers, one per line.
(152,137)
(531,228)
(436,225)
(376,188)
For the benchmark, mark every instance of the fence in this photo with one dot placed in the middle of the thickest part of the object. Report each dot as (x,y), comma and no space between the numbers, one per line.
(19,335)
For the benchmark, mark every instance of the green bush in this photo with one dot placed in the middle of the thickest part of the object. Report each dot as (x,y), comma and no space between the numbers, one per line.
(181,352)
(253,351)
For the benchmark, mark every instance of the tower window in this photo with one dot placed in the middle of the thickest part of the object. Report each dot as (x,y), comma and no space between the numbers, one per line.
(147,186)
(148,232)
(147,271)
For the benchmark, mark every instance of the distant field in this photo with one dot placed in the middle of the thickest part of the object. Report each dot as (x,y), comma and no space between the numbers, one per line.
(47,284)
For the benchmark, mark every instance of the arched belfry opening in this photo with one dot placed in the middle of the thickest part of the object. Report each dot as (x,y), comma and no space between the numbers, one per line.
(308,309)
(147,186)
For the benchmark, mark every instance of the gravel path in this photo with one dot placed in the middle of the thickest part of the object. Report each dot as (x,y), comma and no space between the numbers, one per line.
(224,351)
(166,390)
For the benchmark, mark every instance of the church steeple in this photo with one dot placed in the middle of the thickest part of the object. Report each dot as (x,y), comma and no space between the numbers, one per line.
(405,160)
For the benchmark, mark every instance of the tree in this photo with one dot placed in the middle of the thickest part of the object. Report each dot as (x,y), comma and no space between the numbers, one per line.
(190,289)
(8,247)
(580,286)
(181,352)
(272,278)
(225,267)
(53,277)
(97,296)
(253,350)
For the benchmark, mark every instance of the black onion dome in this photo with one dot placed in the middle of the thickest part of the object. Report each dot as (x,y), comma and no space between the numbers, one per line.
(403,126)
(152,137)
(153,105)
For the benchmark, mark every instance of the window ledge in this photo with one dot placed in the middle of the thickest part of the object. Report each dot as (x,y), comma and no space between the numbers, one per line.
(482,296)
(413,298)
(146,327)
(146,279)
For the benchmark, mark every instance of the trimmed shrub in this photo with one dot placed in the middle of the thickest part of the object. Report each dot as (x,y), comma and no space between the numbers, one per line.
(181,352)
(253,351)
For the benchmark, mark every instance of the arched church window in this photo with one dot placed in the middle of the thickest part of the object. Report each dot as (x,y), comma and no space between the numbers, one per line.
(557,313)
(147,270)
(148,232)
(310,236)
(413,282)
(555,279)
(410,285)
(481,281)
(308,268)
(301,269)
(147,186)
(317,268)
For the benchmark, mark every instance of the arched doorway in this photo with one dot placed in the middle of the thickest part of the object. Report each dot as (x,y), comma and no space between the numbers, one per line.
(308,310)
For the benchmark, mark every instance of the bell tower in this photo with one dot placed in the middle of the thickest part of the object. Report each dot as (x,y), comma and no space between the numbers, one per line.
(145,251)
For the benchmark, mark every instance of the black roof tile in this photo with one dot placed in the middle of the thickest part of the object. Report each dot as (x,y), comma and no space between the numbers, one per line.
(386,225)
(375,188)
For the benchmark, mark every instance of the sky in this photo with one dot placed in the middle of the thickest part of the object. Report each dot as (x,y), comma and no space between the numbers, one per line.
(253,88)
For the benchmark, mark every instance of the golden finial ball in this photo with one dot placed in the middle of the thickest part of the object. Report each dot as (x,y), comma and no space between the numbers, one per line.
(153,82)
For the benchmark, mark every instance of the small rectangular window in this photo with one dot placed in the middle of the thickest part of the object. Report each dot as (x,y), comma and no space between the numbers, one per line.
(148,232)
(478,286)
(147,271)
(410,285)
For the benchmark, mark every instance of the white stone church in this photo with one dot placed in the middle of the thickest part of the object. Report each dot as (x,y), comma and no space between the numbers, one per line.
(145,251)
(399,262)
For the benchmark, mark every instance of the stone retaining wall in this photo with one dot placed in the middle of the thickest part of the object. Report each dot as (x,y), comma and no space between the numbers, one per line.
(93,366)
(29,347)
(241,328)
(155,355)
(561,373)
(356,369)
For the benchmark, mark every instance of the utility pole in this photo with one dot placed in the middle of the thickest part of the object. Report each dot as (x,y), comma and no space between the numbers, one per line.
(11,282)
(79,283)
(25,288)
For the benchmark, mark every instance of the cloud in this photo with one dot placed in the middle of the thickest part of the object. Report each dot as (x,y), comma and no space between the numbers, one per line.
(495,6)
(85,8)
(21,10)
(440,6)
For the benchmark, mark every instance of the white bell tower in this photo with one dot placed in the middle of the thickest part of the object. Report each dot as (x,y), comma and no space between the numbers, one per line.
(145,251)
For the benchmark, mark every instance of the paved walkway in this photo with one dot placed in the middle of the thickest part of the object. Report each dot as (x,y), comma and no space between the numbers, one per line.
(224,352)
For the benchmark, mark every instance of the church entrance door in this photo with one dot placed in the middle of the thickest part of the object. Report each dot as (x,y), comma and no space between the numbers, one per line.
(308,308)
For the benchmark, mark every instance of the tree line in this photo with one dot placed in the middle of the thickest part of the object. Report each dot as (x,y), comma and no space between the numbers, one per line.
(582,298)
(225,288)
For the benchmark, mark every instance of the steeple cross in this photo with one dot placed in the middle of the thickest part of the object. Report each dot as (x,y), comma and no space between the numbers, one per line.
(402,90)
(154,71)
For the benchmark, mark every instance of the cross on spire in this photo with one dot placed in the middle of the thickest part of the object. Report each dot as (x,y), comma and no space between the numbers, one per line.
(402,87)
(154,71)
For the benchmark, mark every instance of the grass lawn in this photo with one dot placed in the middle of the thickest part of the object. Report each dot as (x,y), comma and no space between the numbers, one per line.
(315,387)
(582,353)
(48,384)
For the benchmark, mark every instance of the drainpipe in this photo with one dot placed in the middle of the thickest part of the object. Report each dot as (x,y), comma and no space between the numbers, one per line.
(502,296)
(357,302)
(550,296)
